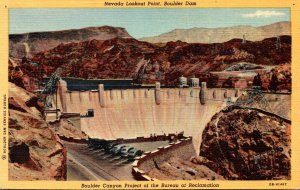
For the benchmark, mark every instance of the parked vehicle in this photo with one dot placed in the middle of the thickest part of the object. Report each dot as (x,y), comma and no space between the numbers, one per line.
(134,153)
(90,143)
(117,149)
(125,150)
(96,143)
(110,146)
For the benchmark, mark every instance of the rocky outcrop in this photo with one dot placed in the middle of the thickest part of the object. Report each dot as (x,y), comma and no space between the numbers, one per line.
(18,77)
(35,152)
(179,169)
(66,128)
(22,100)
(28,44)
(247,145)
(216,35)
(280,78)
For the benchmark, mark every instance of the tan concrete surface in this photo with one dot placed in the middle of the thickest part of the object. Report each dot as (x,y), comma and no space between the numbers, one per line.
(133,112)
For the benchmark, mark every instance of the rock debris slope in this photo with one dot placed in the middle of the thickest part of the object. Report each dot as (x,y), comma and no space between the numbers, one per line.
(247,145)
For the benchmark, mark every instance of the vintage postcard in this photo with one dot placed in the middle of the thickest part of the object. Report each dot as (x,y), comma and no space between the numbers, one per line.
(198,94)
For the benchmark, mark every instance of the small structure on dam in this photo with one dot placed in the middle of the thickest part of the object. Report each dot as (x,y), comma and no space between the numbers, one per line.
(182,82)
(194,82)
(131,113)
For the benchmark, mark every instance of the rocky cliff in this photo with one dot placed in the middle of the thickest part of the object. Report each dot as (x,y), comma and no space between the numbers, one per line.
(35,152)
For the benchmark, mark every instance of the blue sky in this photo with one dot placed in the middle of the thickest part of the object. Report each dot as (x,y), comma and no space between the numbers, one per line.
(141,22)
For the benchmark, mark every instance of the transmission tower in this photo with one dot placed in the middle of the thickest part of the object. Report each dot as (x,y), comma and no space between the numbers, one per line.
(244,39)
(278,43)
(51,88)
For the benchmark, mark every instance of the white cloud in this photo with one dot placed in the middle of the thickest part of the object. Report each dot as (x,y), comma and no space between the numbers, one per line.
(263,14)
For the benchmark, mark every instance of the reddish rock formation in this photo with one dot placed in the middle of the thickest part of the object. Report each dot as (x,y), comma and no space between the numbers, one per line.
(247,145)
(35,152)
(13,105)
(18,77)
(282,79)
(146,63)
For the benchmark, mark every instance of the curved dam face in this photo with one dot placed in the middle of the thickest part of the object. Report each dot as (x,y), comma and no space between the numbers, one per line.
(134,113)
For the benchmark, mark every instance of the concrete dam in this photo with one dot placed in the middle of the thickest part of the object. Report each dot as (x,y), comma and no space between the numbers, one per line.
(131,113)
